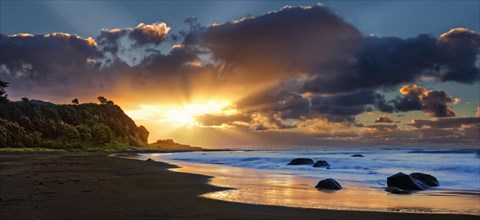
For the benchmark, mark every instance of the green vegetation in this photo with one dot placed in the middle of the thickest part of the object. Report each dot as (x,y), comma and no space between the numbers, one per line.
(82,127)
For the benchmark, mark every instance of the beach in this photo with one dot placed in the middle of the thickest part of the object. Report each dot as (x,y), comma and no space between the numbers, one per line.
(96,186)
(265,178)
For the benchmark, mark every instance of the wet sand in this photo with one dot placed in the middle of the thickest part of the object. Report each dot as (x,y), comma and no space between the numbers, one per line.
(94,186)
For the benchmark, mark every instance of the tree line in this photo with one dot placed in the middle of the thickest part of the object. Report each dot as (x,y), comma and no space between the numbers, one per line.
(32,123)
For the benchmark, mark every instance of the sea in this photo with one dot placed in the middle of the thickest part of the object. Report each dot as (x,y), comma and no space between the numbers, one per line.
(263,177)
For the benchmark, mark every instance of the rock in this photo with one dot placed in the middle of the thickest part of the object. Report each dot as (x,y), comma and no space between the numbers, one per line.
(357,155)
(150,160)
(301,161)
(426,179)
(329,184)
(396,190)
(321,163)
(405,182)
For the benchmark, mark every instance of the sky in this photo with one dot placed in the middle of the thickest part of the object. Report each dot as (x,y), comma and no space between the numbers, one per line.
(258,74)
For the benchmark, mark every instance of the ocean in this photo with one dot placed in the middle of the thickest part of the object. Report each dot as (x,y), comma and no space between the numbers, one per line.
(263,177)
(456,169)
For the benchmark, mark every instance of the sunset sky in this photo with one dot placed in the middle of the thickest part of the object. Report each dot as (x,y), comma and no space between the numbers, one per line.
(257,74)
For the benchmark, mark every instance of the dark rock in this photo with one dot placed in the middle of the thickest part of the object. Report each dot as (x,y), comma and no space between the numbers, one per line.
(301,161)
(357,155)
(405,182)
(396,190)
(321,163)
(329,184)
(150,160)
(426,179)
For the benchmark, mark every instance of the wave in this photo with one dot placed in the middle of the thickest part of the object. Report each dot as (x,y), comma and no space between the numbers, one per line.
(455,170)
(459,151)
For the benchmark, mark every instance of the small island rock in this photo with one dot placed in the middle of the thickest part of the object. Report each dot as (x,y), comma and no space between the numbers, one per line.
(357,155)
(328,184)
(405,182)
(321,163)
(426,179)
(301,161)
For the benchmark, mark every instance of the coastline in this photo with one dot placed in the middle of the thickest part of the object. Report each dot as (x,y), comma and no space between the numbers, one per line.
(95,186)
(269,187)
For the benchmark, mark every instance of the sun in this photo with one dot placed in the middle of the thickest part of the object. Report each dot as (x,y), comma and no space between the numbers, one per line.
(180,115)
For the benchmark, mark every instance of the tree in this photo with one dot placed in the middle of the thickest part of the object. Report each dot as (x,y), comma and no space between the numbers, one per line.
(85,132)
(75,101)
(68,133)
(101,133)
(102,100)
(3,93)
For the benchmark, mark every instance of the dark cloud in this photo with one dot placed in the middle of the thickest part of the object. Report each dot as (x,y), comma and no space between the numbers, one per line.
(389,61)
(460,49)
(384,119)
(286,104)
(348,104)
(433,102)
(284,42)
(436,103)
(47,62)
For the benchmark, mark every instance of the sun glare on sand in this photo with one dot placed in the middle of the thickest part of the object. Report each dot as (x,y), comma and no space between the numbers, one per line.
(180,115)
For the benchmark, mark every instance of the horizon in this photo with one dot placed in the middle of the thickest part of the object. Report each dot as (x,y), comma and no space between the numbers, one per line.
(258,74)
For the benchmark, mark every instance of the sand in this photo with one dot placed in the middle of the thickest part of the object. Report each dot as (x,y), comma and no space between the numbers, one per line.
(94,186)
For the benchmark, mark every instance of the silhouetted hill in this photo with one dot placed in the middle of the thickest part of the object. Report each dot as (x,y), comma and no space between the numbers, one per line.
(28,124)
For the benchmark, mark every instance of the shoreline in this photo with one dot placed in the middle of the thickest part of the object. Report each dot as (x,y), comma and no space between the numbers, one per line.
(95,186)
(265,188)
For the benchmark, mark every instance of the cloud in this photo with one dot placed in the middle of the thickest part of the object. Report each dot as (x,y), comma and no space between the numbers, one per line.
(219,120)
(447,122)
(48,62)
(347,105)
(295,68)
(460,49)
(278,44)
(141,34)
(150,33)
(433,102)
(457,101)
(389,61)
(384,119)
(477,112)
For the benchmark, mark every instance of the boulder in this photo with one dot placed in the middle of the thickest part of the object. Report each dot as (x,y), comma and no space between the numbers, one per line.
(396,190)
(426,179)
(357,155)
(150,160)
(328,184)
(301,161)
(405,182)
(321,163)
